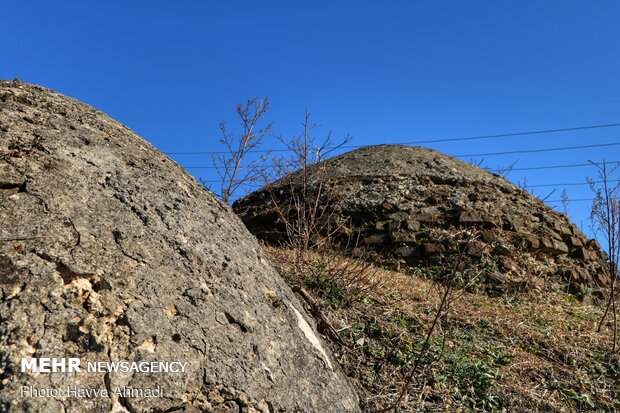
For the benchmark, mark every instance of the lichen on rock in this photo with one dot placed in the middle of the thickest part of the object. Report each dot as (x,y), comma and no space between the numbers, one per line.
(110,251)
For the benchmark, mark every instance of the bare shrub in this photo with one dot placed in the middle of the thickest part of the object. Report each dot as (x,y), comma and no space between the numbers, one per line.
(605,215)
(452,279)
(309,213)
(236,167)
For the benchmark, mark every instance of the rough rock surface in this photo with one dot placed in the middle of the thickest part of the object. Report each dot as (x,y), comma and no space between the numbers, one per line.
(413,206)
(110,251)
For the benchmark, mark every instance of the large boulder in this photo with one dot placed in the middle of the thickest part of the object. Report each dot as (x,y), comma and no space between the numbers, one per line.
(111,252)
(416,207)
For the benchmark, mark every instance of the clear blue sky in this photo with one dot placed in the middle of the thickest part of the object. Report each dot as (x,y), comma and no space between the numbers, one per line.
(380,71)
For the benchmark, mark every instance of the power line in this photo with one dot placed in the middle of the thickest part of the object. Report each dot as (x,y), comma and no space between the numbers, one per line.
(557,166)
(562,148)
(467,138)
(572,200)
(506,135)
(531,168)
(567,184)
(521,151)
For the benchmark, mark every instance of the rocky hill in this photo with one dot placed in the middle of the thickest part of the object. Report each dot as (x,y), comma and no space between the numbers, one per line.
(399,228)
(418,208)
(111,252)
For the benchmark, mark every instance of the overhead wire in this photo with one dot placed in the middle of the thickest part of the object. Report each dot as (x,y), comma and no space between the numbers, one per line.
(514,152)
(529,168)
(469,138)
(459,139)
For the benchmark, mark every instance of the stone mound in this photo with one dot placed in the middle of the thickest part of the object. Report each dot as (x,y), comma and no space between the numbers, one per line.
(413,205)
(111,252)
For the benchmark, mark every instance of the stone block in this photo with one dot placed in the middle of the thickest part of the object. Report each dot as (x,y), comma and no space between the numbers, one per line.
(581,253)
(412,224)
(573,241)
(470,218)
(501,250)
(403,237)
(405,252)
(532,243)
(488,236)
(431,248)
(376,239)
(553,246)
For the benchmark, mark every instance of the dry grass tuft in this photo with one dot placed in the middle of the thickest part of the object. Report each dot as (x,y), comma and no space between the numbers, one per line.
(524,352)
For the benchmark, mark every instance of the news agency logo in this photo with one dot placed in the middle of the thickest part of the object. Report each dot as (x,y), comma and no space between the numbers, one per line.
(74,365)
(51,365)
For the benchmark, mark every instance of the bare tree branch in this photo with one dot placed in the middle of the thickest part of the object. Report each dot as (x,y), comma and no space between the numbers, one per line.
(605,215)
(234,169)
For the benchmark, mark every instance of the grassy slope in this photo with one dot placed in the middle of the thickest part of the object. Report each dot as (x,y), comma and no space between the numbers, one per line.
(536,351)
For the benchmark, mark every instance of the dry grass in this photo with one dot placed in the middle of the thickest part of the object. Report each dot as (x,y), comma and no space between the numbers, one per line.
(525,352)
(354,278)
